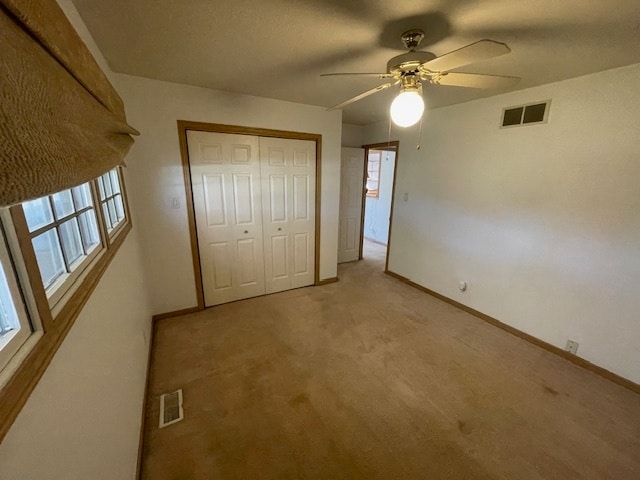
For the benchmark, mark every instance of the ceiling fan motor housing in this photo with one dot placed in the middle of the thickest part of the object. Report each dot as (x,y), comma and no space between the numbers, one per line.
(408,62)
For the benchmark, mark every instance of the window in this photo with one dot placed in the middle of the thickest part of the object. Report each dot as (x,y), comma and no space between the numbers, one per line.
(64,234)
(111,200)
(15,327)
(53,251)
(373,173)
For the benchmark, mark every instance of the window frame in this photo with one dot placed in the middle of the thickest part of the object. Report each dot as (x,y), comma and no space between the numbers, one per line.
(373,192)
(117,228)
(50,324)
(11,343)
(61,285)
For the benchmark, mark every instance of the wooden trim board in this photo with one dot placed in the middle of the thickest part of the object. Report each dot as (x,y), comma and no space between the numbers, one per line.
(613,377)
(373,240)
(191,216)
(145,402)
(327,281)
(175,313)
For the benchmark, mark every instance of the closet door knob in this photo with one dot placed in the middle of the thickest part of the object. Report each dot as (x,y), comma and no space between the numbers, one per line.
(279,229)
(246,231)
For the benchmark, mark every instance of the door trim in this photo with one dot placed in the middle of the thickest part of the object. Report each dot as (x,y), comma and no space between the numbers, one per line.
(183,126)
(390,146)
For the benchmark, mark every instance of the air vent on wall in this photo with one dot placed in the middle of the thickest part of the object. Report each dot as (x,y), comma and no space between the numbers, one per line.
(171,408)
(525,114)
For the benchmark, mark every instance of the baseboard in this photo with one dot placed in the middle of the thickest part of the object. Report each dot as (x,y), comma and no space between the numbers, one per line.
(327,281)
(372,240)
(175,313)
(145,404)
(615,378)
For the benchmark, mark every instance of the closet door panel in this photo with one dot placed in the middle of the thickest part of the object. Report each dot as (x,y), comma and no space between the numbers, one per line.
(225,177)
(287,169)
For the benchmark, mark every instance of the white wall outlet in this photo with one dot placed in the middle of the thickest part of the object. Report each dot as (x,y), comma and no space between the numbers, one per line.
(174,202)
(462,286)
(572,346)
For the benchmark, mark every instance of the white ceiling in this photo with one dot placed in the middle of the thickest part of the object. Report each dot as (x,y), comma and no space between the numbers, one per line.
(278,48)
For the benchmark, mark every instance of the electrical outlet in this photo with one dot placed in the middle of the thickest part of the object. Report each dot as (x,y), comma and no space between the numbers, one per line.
(572,346)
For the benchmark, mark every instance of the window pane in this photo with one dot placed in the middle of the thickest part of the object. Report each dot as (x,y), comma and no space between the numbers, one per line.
(49,256)
(71,241)
(38,213)
(101,188)
(112,212)
(107,185)
(119,208)
(105,214)
(63,203)
(82,196)
(115,181)
(8,316)
(89,230)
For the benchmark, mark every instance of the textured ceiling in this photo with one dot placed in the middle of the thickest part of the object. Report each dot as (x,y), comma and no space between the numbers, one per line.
(278,48)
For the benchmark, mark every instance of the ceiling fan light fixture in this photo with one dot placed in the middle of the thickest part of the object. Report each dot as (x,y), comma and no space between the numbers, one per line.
(407,108)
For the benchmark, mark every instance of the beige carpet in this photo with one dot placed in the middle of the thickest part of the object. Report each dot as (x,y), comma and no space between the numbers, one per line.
(371,379)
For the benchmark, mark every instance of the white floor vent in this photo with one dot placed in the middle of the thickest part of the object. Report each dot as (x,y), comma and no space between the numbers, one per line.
(171,408)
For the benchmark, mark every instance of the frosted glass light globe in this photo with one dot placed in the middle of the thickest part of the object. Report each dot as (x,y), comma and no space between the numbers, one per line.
(407,108)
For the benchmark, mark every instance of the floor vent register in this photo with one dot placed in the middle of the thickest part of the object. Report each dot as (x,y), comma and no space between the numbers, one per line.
(171,408)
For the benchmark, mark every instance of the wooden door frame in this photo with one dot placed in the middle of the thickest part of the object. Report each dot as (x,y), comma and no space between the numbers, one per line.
(183,127)
(390,146)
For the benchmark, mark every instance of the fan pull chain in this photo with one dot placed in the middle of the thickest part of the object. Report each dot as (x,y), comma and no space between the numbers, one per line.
(419,133)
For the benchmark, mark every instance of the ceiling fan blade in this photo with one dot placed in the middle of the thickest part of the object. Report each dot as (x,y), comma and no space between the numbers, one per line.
(472,53)
(363,95)
(378,75)
(474,80)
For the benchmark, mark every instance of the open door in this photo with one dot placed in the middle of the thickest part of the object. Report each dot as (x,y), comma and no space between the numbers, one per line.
(351,202)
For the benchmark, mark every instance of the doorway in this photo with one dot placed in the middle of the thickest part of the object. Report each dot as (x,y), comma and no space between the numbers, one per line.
(366,202)
(379,182)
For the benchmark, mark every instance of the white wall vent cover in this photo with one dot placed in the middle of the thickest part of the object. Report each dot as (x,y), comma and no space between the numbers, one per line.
(171,408)
(525,114)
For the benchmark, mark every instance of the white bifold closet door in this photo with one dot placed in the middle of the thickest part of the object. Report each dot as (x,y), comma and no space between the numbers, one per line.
(225,180)
(255,215)
(287,170)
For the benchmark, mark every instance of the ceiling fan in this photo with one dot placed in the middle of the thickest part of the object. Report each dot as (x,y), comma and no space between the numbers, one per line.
(414,67)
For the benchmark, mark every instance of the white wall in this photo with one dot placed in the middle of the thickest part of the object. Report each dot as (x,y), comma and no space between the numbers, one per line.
(378,210)
(542,221)
(83,419)
(352,135)
(153,107)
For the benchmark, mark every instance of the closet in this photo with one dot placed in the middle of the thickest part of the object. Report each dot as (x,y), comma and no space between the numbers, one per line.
(254,204)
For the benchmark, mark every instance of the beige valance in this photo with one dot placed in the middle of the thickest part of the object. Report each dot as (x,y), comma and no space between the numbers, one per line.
(61,121)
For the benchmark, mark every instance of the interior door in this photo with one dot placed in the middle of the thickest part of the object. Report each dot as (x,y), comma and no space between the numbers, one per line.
(288,169)
(225,177)
(351,192)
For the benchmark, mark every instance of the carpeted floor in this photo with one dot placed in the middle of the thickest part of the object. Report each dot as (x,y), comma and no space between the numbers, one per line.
(369,378)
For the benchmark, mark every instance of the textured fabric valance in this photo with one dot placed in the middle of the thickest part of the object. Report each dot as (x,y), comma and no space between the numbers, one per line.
(61,121)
